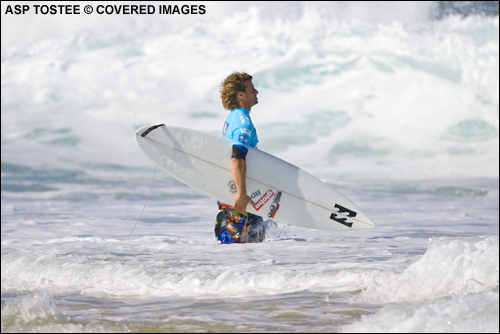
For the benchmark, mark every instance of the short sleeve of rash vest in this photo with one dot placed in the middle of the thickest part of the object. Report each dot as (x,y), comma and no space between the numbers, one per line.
(240,130)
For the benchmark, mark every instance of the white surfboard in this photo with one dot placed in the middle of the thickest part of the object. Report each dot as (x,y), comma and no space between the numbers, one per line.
(280,190)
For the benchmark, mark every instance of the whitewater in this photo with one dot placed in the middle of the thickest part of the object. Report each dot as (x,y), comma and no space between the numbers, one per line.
(394,104)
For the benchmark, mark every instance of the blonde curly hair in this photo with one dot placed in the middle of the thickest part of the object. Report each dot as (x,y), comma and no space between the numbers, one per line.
(234,83)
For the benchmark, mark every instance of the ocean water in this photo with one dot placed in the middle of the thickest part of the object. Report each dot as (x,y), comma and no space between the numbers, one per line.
(394,104)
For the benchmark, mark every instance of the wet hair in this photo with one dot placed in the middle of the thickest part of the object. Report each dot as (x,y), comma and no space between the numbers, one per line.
(234,83)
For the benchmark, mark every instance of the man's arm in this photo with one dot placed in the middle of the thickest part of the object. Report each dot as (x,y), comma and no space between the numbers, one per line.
(239,169)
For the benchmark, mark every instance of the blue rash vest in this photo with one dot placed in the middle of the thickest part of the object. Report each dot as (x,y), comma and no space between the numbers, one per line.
(239,128)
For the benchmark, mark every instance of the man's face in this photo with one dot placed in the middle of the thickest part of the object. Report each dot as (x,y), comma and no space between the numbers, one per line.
(248,98)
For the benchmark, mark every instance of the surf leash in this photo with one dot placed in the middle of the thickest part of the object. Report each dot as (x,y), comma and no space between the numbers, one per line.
(154,174)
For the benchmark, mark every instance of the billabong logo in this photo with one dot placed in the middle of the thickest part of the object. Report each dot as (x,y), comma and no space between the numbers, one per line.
(343,210)
(264,199)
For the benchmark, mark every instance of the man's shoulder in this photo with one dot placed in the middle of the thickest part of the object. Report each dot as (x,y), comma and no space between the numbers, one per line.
(240,119)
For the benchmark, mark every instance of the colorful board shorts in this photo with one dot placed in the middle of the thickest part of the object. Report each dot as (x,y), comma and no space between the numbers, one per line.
(233,226)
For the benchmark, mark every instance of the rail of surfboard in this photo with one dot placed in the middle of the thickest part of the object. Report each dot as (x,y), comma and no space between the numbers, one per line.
(265,184)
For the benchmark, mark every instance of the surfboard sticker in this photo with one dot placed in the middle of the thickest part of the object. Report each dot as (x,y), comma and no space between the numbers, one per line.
(273,208)
(343,221)
(232,187)
(263,200)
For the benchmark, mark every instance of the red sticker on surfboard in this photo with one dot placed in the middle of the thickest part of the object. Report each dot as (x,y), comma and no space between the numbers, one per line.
(264,199)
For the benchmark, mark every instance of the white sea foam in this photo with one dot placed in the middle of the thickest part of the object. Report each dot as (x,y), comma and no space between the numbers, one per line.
(472,313)
(447,268)
(38,312)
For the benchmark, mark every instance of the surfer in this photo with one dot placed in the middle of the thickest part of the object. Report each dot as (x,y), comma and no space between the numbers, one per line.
(239,95)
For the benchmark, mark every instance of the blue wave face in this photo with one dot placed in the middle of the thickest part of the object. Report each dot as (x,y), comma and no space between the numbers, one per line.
(406,90)
(441,9)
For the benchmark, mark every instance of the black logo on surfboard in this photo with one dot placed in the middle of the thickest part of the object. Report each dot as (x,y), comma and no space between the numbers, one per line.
(232,187)
(343,210)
